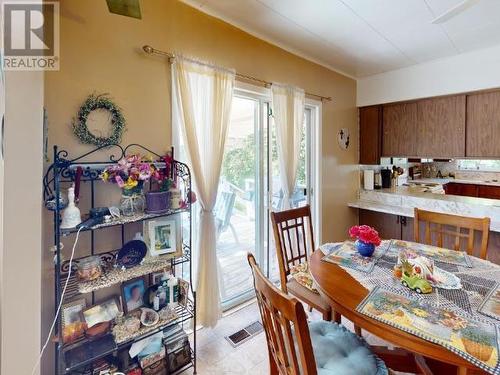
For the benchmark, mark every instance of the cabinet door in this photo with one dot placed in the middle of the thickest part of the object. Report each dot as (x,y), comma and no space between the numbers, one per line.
(407,230)
(441,127)
(387,225)
(370,123)
(466,190)
(483,125)
(486,191)
(399,130)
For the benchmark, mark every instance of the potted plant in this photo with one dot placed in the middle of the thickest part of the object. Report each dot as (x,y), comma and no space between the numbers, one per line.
(130,173)
(158,199)
(477,343)
(366,239)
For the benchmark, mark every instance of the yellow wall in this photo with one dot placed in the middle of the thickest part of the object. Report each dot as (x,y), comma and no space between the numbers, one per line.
(101,52)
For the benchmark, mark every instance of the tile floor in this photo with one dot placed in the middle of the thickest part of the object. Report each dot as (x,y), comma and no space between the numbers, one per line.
(217,357)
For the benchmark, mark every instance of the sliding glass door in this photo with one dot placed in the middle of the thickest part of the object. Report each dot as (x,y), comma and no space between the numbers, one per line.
(249,187)
(303,185)
(238,209)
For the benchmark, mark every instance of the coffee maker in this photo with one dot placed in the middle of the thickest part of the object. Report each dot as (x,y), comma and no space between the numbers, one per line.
(386,178)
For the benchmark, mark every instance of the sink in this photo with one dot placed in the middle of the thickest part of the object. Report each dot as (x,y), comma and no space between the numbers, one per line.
(425,187)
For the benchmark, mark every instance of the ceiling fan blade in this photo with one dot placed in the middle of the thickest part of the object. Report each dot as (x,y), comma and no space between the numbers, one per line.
(455,11)
(129,8)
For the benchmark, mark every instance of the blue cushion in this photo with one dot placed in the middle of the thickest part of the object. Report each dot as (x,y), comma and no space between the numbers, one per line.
(338,351)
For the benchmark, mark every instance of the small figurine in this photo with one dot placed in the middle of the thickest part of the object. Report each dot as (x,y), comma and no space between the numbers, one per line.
(71,214)
(412,279)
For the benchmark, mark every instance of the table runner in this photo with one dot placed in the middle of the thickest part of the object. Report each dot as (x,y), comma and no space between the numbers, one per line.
(479,278)
(477,282)
(473,340)
(345,254)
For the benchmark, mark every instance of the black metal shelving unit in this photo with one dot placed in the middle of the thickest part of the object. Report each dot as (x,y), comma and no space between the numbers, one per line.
(62,172)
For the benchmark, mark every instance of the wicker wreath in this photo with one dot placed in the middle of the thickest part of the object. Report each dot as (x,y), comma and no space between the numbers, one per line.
(92,103)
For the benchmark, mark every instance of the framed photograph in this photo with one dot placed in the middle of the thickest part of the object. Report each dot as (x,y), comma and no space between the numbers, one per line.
(183,292)
(163,236)
(102,312)
(71,312)
(155,277)
(133,294)
(180,357)
(72,320)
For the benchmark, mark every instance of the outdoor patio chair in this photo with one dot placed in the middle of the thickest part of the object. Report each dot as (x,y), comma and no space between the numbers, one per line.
(223,211)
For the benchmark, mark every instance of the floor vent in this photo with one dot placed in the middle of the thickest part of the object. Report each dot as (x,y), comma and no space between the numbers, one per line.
(245,334)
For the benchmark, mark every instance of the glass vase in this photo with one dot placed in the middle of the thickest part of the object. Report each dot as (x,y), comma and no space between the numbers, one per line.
(133,201)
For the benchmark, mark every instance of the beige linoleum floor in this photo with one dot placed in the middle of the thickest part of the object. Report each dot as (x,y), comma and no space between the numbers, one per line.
(217,357)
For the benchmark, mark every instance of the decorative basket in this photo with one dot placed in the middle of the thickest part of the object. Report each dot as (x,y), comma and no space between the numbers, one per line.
(157,202)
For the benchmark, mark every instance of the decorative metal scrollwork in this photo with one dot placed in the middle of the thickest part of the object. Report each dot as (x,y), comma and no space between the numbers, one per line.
(107,262)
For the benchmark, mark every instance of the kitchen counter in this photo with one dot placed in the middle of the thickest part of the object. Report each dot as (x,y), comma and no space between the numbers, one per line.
(443,181)
(403,199)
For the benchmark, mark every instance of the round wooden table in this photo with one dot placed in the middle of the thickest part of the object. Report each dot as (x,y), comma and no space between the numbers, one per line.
(344,294)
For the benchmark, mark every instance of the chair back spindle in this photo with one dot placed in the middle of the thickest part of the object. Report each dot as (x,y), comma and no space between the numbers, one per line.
(293,237)
(285,325)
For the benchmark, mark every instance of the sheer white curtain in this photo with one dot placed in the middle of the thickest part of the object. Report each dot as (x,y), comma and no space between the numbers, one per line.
(288,112)
(204,96)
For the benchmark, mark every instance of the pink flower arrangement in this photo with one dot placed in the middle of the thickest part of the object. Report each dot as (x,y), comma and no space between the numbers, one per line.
(365,234)
(129,172)
(161,176)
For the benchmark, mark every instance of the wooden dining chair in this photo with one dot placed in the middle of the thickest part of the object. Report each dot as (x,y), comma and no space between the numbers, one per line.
(451,231)
(294,241)
(298,348)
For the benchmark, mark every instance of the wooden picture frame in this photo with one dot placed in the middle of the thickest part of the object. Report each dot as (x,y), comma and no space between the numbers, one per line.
(129,292)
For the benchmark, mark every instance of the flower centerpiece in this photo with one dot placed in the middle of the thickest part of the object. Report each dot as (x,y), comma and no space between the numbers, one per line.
(130,173)
(366,239)
(158,199)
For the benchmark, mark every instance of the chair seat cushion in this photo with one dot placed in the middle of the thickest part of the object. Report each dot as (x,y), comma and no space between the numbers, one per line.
(307,296)
(338,351)
(301,274)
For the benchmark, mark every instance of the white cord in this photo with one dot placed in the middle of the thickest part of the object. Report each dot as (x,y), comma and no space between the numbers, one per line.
(58,307)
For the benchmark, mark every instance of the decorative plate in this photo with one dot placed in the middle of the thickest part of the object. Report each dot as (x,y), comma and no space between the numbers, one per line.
(131,254)
(445,280)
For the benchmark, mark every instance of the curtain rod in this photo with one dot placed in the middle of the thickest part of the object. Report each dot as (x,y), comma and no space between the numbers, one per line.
(153,51)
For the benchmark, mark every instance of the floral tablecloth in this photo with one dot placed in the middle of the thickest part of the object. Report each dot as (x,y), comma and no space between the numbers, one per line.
(463,320)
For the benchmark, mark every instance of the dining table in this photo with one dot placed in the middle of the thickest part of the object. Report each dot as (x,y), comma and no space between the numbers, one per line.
(342,289)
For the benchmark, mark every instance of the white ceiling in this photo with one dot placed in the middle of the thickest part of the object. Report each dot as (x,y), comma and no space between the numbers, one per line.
(363,37)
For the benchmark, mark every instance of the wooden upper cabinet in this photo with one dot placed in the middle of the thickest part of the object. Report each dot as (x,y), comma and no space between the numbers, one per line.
(370,128)
(441,127)
(399,129)
(483,125)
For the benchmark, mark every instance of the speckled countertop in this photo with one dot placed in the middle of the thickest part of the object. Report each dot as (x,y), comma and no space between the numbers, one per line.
(443,181)
(402,200)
